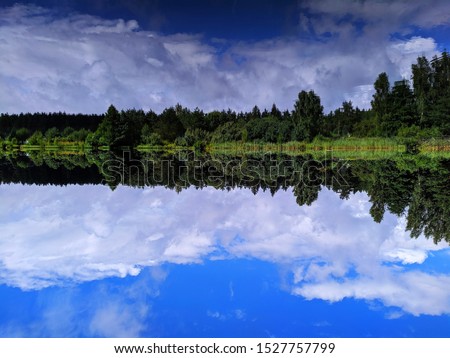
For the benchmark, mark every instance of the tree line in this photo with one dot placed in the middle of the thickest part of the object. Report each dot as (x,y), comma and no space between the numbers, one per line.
(403,109)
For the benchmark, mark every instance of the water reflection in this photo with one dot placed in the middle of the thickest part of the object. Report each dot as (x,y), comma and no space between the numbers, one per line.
(405,184)
(139,256)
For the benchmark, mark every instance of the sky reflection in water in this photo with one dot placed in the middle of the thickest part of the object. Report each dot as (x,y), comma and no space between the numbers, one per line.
(87,261)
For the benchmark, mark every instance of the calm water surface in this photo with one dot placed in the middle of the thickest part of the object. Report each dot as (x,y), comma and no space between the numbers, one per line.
(304,258)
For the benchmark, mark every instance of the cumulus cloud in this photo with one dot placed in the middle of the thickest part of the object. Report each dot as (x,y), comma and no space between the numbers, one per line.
(414,292)
(403,53)
(82,63)
(332,248)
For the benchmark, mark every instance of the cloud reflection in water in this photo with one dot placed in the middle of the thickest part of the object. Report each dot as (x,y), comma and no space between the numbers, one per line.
(84,233)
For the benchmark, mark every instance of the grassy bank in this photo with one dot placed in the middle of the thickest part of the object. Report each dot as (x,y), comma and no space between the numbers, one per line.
(347,144)
(350,147)
(435,145)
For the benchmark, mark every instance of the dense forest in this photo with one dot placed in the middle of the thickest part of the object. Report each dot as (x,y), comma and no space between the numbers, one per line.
(419,108)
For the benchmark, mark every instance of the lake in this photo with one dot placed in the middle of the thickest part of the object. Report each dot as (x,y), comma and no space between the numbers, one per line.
(226,245)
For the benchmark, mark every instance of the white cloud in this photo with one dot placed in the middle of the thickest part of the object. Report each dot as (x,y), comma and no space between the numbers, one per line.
(387,16)
(414,292)
(333,250)
(82,63)
(117,320)
(403,53)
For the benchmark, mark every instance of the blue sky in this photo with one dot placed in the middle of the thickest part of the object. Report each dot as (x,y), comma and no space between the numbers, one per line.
(86,261)
(81,56)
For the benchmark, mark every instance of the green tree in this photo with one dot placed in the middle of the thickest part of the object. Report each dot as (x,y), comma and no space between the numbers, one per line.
(152,139)
(256,113)
(341,122)
(78,136)
(112,131)
(215,118)
(380,101)
(366,127)
(168,125)
(191,120)
(51,133)
(104,132)
(37,138)
(120,128)
(22,134)
(67,132)
(422,82)
(133,122)
(275,112)
(439,111)
(227,132)
(307,116)
(402,109)
(429,207)
(265,129)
